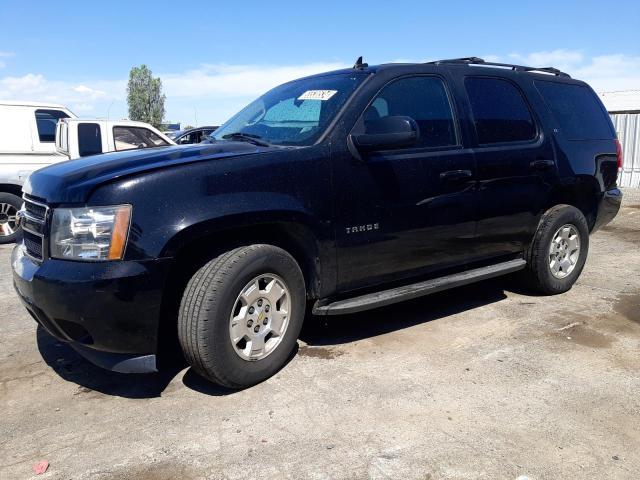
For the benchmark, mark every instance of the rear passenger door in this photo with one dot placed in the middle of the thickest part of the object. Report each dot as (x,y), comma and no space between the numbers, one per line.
(406,211)
(515,162)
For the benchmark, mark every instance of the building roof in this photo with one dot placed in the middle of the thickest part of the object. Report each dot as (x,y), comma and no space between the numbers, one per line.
(621,101)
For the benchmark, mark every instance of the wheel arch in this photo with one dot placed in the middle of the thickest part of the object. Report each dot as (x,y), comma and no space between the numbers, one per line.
(11,188)
(582,192)
(199,243)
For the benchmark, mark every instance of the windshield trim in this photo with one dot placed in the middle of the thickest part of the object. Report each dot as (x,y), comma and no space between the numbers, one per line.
(344,106)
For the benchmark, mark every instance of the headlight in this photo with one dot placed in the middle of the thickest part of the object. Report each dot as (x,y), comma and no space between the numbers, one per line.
(90,233)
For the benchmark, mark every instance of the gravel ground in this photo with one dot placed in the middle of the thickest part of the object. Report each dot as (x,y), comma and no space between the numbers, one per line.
(483,382)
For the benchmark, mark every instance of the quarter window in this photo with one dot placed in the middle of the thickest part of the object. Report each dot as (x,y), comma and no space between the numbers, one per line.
(422,98)
(500,113)
(577,110)
(46,121)
(89,139)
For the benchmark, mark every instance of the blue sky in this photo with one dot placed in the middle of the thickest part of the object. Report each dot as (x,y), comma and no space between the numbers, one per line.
(215,57)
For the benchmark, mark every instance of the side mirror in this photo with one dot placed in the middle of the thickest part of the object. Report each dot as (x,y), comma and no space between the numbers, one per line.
(388,133)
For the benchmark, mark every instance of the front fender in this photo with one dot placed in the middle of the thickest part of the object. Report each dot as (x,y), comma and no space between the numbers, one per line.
(238,210)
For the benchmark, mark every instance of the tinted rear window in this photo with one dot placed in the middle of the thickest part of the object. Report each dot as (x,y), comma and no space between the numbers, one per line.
(576,109)
(500,113)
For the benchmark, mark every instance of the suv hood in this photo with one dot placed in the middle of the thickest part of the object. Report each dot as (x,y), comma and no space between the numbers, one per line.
(72,181)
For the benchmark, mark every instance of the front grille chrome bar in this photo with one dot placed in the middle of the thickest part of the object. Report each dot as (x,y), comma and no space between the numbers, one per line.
(33,218)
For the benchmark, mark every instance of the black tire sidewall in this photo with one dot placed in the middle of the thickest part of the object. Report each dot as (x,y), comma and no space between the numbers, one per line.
(16,202)
(224,358)
(565,215)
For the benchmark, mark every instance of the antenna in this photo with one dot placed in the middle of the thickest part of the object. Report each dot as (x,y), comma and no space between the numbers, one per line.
(359,65)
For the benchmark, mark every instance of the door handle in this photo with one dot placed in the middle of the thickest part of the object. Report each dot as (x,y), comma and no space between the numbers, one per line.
(542,165)
(455,175)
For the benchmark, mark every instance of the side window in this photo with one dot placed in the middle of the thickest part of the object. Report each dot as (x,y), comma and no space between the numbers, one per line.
(89,139)
(577,110)
(46,120)
(423,98)
(500,113)
(128,138)
(185,139)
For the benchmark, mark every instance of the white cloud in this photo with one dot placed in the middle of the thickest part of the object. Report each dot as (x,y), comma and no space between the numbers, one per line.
(236,80)
(562,59)
(605,73)
(78,97)
(93,93)
(212,93)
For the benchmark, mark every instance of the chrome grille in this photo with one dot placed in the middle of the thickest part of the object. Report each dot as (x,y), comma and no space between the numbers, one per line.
(34,218)
(37,210)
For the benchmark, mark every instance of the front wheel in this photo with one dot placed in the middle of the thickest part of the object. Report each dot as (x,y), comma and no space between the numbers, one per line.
(241,314)
(559,250)
(9,206)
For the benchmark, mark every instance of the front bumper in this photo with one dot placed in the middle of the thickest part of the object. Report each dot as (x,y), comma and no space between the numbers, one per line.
(608,208)
(108,311)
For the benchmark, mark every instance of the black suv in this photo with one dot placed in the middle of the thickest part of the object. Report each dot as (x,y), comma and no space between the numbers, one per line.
(345,191)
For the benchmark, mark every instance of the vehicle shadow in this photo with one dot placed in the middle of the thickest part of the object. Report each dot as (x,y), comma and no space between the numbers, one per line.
(339,329)
(317,331)
(72,367)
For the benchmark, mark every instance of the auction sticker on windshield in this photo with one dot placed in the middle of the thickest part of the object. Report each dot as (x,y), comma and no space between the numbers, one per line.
(317,95)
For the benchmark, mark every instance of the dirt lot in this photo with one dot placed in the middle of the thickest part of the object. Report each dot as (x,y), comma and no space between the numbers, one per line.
(481,382)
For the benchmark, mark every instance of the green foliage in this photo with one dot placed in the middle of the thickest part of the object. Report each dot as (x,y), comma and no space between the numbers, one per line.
(145,97)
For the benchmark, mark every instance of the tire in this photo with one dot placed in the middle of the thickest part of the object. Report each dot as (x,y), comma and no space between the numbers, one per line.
(553,265)
(9,206)
(213,295)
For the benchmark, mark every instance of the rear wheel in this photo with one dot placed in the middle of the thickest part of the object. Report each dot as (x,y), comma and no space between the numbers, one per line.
(9,206)
(559,250)
(241,314)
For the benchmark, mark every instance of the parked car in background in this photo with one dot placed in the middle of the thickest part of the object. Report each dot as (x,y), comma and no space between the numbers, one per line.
(352,189)
(27,142)
(77,138)
(192,135)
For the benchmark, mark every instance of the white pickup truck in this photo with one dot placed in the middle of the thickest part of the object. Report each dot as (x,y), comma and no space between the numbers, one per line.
(77,138)
(27,142)
(34,135)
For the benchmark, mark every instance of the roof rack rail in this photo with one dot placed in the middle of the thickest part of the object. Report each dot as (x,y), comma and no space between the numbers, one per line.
(517,68)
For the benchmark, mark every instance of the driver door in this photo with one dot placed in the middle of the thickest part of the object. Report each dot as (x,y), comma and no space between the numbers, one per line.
(405,211)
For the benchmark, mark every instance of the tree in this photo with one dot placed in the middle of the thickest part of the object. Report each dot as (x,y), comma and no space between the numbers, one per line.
(145,97)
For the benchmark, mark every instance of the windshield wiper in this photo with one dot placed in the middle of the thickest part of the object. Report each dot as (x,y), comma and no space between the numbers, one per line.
(246,137)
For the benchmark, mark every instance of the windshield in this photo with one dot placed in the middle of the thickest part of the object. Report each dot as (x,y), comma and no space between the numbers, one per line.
(295,113)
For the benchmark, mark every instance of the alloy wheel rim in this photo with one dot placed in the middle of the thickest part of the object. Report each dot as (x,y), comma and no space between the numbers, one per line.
(8,219)
(260,317)
(564,251)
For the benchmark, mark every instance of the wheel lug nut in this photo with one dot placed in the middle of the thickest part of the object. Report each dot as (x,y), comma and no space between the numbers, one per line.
(260,302)
(249,323)
(257,329)
(265,321)
(266,309)
(251,310)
